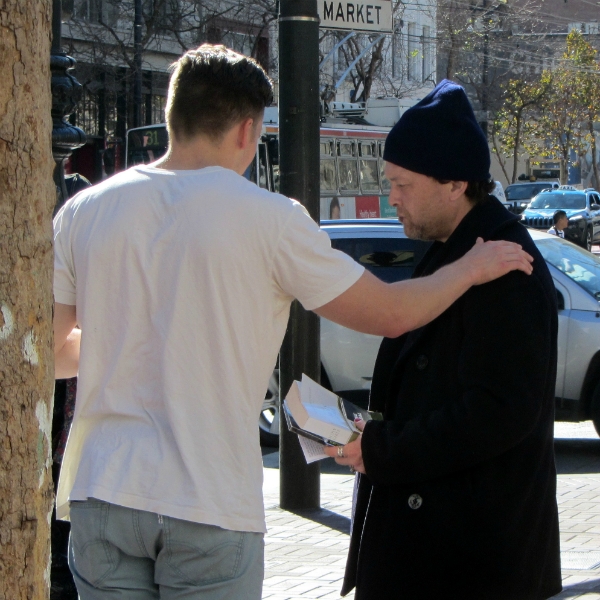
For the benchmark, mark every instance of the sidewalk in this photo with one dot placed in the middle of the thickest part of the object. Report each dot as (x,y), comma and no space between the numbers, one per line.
(306,554)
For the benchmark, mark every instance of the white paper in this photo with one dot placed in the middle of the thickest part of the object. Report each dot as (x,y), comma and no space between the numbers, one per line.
(313,451)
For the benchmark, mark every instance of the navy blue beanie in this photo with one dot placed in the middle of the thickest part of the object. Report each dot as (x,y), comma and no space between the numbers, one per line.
(440,137)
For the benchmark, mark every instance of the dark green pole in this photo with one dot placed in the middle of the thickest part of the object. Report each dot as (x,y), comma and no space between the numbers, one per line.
(299,172)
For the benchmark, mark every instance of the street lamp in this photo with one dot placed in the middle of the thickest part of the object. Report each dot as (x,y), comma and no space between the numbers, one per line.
(66,93)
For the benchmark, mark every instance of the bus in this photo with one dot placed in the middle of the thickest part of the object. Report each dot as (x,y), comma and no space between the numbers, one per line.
(352,180)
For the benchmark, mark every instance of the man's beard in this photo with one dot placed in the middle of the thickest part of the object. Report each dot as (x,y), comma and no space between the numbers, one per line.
(429,232)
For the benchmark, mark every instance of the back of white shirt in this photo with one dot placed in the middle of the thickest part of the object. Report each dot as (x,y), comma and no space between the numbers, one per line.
(182,283)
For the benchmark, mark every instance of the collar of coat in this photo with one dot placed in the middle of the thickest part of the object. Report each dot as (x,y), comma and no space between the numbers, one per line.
(486,219)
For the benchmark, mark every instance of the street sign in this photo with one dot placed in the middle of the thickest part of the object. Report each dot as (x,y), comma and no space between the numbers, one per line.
(357,15)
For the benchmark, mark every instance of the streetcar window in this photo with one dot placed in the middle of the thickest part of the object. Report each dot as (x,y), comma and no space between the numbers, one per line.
(348,172)
(385,182)
(326,148)
(145,145)
(346,149)
(263,169)
(368,176)
(328,182)
(368,149)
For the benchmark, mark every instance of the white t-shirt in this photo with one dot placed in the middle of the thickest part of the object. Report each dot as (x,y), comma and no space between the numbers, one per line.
(555,231)
(182,283)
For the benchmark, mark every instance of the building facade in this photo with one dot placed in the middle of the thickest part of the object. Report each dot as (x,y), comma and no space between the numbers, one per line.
(100,35)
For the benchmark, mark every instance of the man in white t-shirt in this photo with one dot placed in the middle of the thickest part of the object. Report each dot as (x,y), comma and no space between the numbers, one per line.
(180,275)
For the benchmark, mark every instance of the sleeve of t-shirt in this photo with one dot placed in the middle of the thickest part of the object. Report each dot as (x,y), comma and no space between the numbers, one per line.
(306,266)
(64,270)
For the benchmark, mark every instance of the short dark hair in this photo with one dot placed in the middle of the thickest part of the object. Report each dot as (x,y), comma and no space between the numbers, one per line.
(558,215)
(211,89)
(477,191)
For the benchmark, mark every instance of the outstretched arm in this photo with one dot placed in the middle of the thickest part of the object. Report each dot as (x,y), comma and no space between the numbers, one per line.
(372,306)
(66,341)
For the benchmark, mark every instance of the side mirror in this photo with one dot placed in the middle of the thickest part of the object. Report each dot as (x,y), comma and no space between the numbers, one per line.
(595,206)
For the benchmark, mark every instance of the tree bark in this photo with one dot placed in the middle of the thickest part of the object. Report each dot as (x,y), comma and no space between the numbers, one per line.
(27,196)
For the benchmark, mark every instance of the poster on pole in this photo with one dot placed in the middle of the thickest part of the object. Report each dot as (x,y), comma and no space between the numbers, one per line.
(356,15)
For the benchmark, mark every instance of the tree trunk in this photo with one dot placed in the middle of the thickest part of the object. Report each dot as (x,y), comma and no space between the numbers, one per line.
(519,126)
(27,195)
(594,152)
(452,58)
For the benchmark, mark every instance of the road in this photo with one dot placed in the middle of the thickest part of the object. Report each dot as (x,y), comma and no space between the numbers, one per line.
(305,552)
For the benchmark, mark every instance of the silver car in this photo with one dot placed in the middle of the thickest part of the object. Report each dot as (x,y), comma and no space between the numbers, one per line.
(348,357)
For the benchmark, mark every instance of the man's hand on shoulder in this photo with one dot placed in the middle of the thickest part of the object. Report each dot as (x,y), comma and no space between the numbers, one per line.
(487,261)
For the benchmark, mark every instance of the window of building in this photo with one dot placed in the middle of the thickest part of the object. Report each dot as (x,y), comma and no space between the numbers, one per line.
(97,11)
(241,37)
(166,14)
(427,53)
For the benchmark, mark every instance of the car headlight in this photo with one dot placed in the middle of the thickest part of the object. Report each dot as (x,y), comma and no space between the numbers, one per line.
(576,222)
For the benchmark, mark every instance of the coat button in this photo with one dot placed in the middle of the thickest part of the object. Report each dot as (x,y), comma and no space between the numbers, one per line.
(415,501)
(422,362)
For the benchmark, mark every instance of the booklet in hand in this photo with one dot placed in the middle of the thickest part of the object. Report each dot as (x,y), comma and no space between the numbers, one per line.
(320,415)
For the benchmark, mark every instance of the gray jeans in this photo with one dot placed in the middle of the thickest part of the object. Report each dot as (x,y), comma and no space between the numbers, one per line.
(122,553)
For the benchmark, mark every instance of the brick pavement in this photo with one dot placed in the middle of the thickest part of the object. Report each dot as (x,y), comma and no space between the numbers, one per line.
(306,553)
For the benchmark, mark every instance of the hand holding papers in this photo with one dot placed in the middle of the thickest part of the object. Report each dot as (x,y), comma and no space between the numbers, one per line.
(319,415)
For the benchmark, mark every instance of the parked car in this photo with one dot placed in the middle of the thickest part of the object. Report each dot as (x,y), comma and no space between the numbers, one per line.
(582,208)
(518,195)
(348,357)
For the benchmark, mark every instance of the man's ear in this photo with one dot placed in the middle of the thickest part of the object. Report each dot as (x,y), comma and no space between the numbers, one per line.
(457,189)
(245,133)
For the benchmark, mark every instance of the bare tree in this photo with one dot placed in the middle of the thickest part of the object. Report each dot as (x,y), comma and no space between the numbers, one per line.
(479,45)
(27,196)
(125,77)
(381,64)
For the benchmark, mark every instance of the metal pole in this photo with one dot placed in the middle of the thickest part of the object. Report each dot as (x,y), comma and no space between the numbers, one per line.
(137,61)
(299,169)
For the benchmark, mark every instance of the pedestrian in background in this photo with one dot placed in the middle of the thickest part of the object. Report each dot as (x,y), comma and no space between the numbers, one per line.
(457,492)
(561,222)
(181,274)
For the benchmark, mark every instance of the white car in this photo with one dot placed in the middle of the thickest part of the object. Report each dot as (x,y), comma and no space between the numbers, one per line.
(348,357)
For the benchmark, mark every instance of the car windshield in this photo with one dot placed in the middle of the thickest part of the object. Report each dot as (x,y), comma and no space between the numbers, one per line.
(553,200)
(390,259)
(581,266)
(524,192)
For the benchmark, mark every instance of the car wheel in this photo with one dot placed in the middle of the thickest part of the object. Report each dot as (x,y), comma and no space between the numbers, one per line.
(588,240)
(595,408)
(268,422)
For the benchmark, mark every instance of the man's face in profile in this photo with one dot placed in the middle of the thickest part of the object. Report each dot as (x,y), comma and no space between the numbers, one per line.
(562,223)
(419,203)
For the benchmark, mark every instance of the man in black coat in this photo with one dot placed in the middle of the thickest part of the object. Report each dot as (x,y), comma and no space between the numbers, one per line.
(456,496)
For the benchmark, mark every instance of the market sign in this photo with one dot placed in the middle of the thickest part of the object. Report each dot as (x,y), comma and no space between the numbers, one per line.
(372,15)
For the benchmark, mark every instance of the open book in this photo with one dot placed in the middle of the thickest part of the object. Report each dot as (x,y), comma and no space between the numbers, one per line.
(320,415)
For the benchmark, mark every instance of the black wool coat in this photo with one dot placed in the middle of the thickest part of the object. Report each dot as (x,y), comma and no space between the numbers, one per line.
(459,496)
